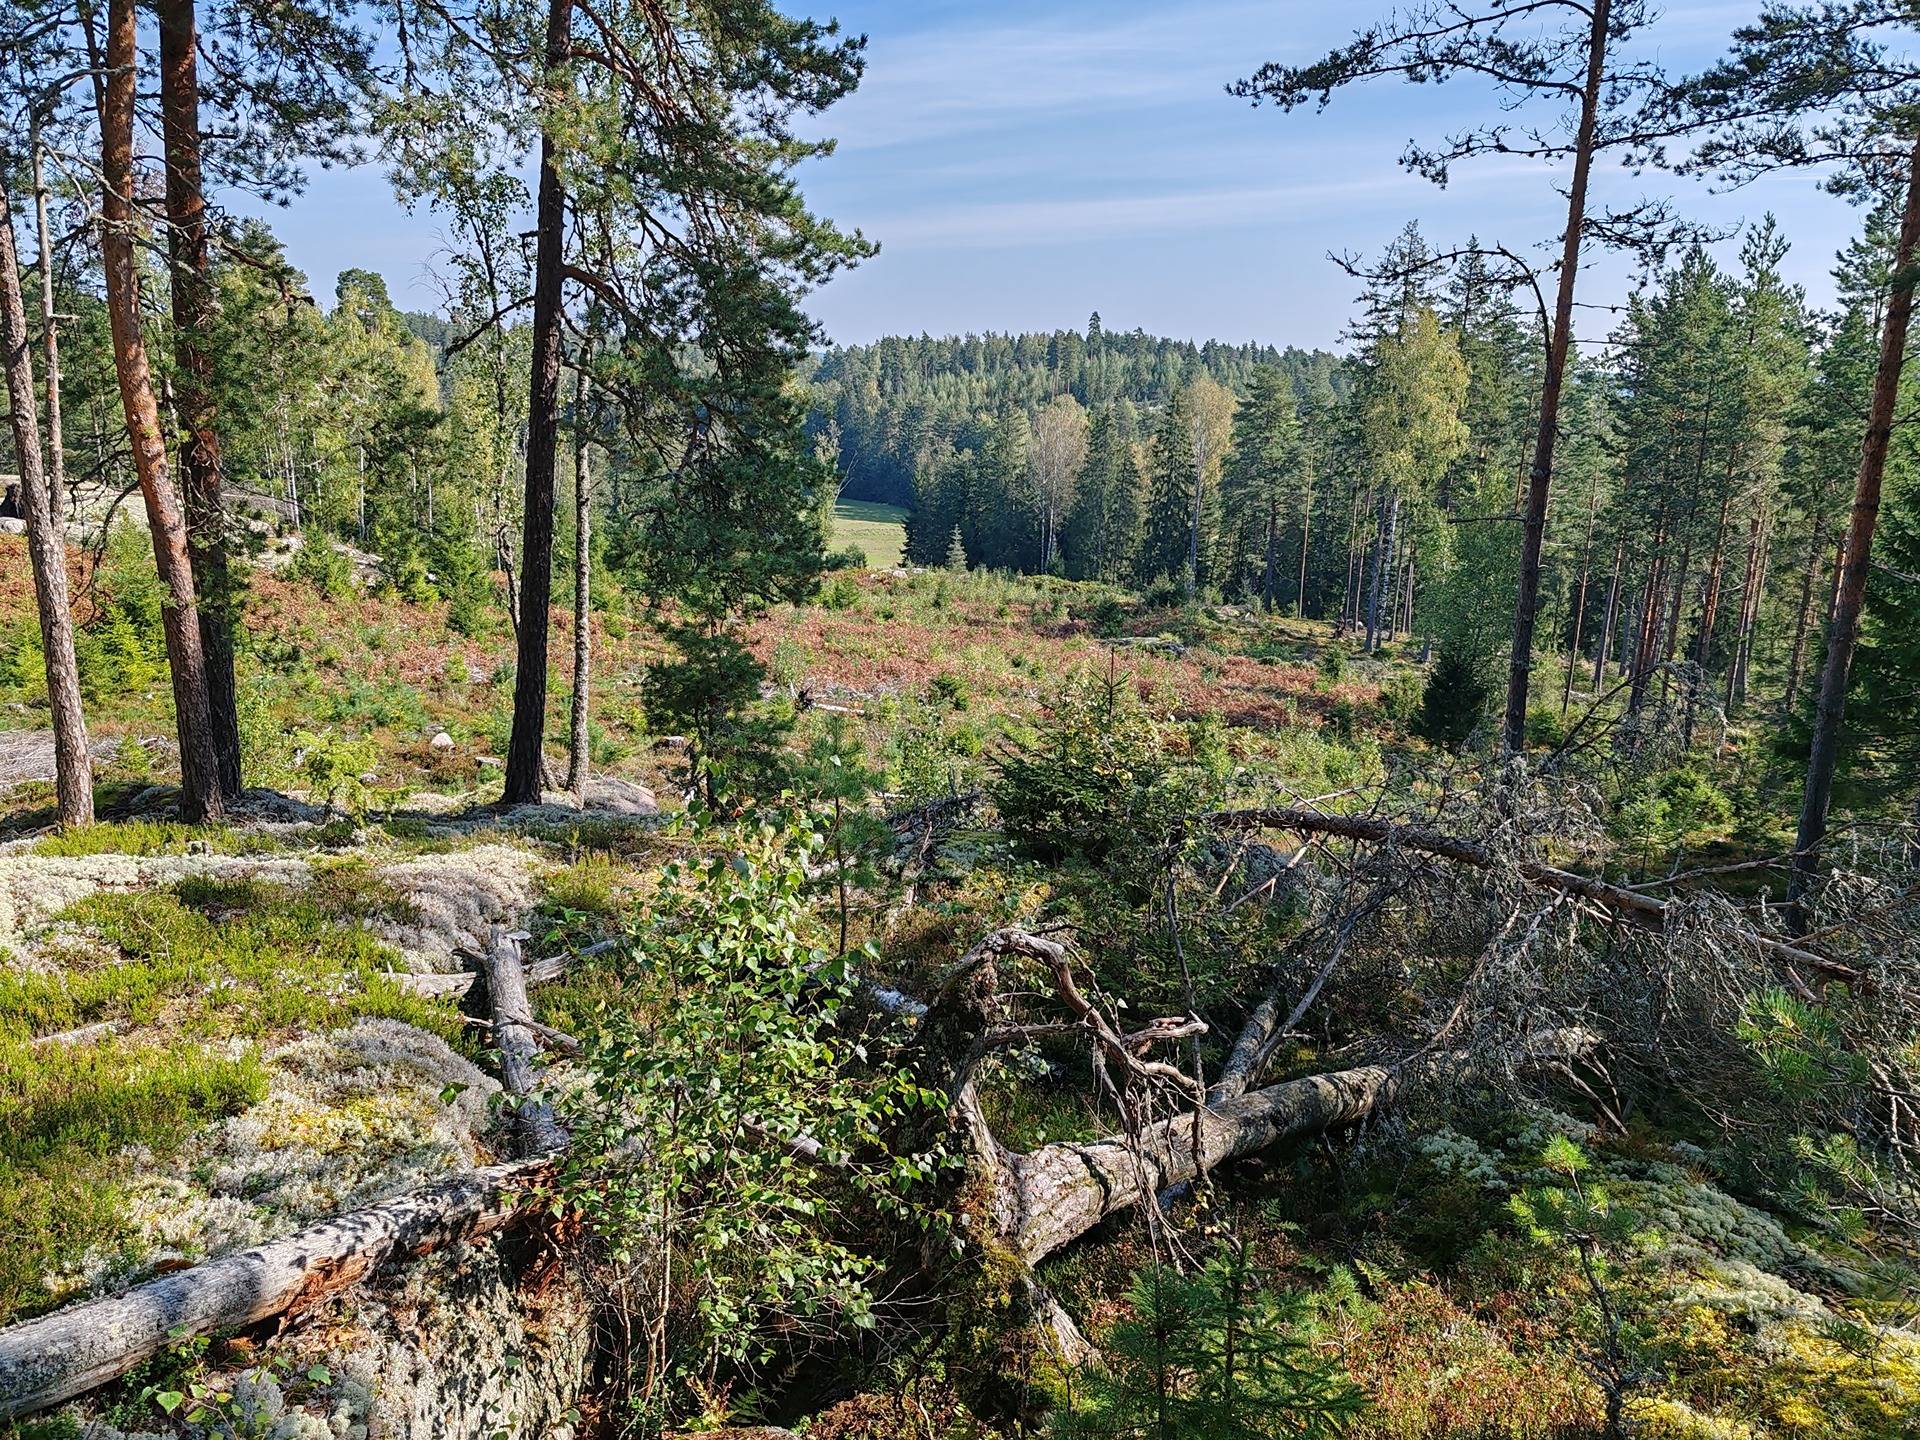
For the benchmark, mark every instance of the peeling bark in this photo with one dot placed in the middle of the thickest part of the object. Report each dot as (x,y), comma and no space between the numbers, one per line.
(72,1351)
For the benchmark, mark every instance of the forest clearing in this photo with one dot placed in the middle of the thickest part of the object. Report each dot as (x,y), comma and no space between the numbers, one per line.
(585,858)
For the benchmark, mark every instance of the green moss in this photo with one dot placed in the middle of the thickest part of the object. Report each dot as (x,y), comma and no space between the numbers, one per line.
(66,1111)
(212,965)
(219,959)
(152,837)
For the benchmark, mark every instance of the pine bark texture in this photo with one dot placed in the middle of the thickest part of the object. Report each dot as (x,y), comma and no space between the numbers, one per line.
(193,312)
(200,797)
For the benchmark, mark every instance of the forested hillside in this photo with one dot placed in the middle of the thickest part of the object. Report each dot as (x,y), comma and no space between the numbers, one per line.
(579,861)
(901,406)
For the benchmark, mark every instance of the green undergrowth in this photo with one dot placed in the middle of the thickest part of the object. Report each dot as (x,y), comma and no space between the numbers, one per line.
(1448,1276)
(199,980)
(153,837)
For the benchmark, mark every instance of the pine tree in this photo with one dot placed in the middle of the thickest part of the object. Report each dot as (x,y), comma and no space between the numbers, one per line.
(1103,527)
(1209,1356)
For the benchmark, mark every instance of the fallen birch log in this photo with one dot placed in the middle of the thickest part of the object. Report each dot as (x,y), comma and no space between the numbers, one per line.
(72,1351)
(1049,1197)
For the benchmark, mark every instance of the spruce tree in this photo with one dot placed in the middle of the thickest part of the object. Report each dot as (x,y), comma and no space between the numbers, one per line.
(1169,514)
(1257,484)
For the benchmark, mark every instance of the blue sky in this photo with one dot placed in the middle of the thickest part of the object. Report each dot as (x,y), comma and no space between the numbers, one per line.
(1023,164)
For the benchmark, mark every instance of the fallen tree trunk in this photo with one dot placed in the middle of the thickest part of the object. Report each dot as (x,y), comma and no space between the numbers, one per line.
(71,1351)
(1051,1196)
(454,984)
(1646,911)
(514,1029)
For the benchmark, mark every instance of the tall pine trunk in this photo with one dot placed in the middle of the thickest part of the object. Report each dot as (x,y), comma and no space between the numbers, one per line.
(1843,632)
(49,335)
(1383,551)
(46,544)
(1803,616)
(578,750)
(1527,602)
(1604,650)
(1752,591)
(193,309)
(1580,602)
(526,764)
(1306,536)
(200,797)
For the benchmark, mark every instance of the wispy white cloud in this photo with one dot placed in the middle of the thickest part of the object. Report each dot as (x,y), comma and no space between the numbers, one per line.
(959,78)
(1060,220)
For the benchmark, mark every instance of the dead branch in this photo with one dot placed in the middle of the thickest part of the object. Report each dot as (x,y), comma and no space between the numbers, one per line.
(1646,911)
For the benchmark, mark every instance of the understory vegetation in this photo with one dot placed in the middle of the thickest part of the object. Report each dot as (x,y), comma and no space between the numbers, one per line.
(595,865)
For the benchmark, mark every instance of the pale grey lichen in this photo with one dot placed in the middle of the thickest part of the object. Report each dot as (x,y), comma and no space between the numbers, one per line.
(455,900)
(350,1118)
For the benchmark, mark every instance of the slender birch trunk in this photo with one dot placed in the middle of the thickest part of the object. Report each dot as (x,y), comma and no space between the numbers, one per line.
(46,544)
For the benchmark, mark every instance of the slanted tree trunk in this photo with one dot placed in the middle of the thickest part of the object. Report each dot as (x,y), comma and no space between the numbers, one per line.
(1843,632)
(200,797)
(526,762)
(46,543)
(1540,477)
(579,750)
(193,309)
(49,335)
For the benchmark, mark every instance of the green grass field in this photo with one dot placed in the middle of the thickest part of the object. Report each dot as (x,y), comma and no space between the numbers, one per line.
(879,530)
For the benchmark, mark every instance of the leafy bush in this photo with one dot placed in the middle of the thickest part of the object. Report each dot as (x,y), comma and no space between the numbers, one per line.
(724,1058)
(1331,662)
(950,689)
(1400,698)
(840,593)
(324,567)
(334,766)
(1681,807)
